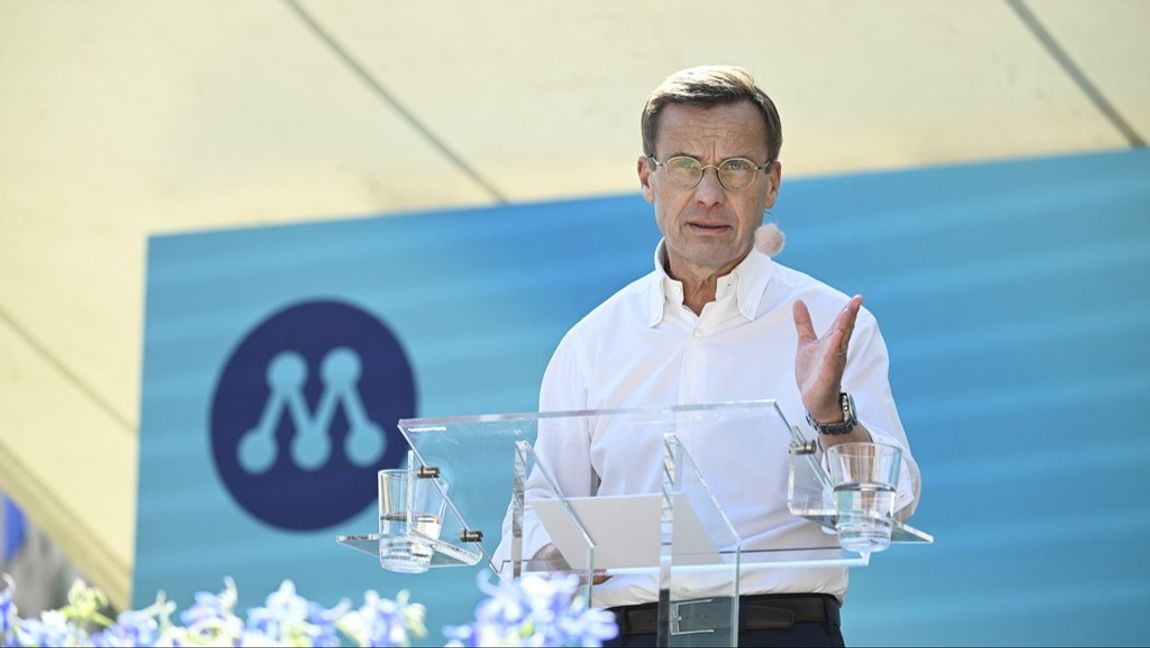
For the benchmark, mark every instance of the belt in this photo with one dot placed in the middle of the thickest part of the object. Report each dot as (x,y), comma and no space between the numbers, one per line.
(756,612)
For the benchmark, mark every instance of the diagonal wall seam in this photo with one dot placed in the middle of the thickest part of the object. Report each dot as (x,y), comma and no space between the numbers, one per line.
(408,116)
(67,373)
(1080,79)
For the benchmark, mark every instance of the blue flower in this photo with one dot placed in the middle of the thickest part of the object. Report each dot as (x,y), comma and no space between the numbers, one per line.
(382,622)
(268,621)
(290,619)
(534,611)
(208,607)
(7,609)
(132,628)
(550,598)
(212,617)
(8,618)
(591,627)
(51,629)
(285,604)
(322,629)
(505,605)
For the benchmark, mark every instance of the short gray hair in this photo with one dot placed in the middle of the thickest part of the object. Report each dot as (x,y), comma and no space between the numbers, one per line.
(707,86)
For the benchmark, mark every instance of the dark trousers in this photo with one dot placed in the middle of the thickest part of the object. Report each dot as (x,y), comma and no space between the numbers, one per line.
(800,635)
(764,620)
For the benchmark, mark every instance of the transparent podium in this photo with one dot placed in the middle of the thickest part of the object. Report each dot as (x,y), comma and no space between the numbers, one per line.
(698,502)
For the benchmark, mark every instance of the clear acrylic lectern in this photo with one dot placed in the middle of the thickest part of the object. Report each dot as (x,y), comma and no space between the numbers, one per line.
(665,521)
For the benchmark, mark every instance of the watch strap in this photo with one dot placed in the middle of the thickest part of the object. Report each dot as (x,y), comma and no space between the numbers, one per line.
(846,426)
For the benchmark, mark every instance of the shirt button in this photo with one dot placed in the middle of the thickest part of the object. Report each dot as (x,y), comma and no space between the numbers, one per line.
(698,332)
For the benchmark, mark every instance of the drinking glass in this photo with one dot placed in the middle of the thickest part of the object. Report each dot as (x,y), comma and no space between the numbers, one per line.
(411,512)
(865,480)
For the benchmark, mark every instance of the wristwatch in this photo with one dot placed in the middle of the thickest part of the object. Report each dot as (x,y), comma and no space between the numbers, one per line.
(835,429)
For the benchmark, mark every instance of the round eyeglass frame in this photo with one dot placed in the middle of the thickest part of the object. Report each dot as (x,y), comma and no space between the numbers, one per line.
(718,170)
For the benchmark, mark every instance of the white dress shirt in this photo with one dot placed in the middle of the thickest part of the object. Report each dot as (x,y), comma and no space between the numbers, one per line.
(644,348)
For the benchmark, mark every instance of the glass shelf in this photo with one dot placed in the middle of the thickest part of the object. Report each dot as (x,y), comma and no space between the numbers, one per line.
(810,494)
(446,554)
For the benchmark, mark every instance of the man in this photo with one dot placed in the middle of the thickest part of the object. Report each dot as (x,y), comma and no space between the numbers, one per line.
(719,321)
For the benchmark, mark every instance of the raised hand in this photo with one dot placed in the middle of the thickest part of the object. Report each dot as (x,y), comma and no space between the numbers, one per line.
(820,361)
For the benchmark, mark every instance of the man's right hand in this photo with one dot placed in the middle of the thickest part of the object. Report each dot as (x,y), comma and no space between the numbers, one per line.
(551,559)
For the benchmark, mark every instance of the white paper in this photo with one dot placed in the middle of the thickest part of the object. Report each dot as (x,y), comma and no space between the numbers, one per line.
(625,530)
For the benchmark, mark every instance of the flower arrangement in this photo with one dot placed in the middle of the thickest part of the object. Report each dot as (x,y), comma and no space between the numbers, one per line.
(533,611)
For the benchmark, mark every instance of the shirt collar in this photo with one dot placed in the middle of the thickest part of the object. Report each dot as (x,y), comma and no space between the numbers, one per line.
(748,281)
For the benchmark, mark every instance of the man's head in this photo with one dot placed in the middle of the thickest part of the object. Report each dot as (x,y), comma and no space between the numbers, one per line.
(714,119)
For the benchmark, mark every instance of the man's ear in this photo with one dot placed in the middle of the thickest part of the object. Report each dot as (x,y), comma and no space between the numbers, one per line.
(775,177)
(645,169)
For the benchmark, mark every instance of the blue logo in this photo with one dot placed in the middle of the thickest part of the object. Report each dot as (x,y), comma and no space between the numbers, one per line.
(304,414)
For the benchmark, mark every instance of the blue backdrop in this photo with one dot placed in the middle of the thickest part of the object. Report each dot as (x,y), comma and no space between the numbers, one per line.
(1010,295)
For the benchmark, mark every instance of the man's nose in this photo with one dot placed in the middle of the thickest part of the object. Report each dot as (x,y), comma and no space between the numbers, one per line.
(710,190)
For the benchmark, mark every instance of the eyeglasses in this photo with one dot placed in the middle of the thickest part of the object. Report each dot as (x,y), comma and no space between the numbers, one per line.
(735,174)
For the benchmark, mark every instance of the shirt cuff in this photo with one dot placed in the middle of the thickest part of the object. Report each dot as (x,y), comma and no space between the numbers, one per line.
(907,493)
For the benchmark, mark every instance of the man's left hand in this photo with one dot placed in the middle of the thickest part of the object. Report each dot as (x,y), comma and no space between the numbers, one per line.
(820,361)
